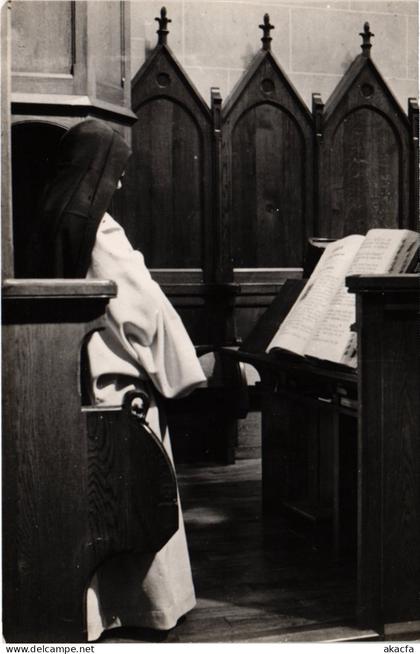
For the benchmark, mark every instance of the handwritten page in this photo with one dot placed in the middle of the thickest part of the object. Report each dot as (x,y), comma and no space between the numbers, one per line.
(312,304)
(382,251)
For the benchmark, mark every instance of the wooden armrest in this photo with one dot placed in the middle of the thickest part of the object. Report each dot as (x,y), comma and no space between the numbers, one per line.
(207,349)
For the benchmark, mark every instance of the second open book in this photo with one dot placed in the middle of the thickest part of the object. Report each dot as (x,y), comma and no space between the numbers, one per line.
(319,323)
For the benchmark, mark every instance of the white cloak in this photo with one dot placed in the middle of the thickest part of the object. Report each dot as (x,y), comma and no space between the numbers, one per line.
(144,339)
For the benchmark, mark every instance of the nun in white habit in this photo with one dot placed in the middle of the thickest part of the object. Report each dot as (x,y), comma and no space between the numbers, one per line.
(144,342)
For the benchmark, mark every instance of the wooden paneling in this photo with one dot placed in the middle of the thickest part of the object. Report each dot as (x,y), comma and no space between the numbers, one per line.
(236,192)
(54,51)
(45,47)
(267,203)
(269,199)
(167,190)
(69,63)
(71,58)
(108,48)
(164,182)
(365,180)
(256,295)
(364,157)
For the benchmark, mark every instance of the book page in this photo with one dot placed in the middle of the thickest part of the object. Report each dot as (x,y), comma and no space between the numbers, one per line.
(383,251)
(304,318)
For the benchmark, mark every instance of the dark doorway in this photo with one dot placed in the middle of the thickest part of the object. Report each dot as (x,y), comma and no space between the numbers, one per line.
(34,147)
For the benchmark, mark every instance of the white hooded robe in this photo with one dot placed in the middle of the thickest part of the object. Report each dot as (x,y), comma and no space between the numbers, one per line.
(144,340)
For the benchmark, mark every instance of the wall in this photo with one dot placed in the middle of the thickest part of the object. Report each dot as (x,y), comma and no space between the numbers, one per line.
(314,40)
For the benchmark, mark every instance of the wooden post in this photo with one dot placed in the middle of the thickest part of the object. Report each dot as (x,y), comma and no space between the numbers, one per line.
(318,119)
(222,271)
(6,181)
(389,449)
(413,117)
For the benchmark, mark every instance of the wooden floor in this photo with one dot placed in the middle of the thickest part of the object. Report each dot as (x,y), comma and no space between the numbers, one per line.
(255,582)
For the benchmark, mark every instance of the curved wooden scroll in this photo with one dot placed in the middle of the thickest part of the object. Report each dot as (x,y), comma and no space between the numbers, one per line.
(167,190)
(132,490)
(364,154)
(268,145)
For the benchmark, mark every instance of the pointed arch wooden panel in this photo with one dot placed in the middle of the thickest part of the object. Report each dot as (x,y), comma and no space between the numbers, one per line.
(224,199)
(364,154)
(268,144)
(166,197)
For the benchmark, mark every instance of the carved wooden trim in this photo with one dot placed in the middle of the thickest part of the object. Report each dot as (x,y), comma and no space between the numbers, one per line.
(266,28)
(163,31)
(366,36)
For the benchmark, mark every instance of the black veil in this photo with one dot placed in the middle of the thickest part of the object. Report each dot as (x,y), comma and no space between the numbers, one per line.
(91,158)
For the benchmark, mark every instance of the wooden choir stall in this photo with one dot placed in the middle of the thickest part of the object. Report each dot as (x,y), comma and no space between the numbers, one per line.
(221,200)
(243,186)
(79,484)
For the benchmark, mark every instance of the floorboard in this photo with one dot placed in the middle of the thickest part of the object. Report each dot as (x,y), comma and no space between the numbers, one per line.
(255,581)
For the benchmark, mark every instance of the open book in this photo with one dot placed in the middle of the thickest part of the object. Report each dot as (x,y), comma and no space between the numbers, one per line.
(319,323)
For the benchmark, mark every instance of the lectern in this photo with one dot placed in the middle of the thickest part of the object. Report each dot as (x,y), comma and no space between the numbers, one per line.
(362,428)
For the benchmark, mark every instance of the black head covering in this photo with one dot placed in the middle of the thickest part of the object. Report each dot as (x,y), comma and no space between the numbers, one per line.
(90,160)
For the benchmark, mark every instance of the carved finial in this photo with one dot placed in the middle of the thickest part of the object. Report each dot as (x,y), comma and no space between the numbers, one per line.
(163,27)
(266,28)
(366,35)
